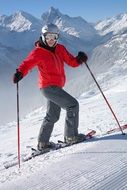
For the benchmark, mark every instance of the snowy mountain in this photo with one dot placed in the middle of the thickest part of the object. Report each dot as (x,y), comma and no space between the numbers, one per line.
(108,60)
(114,25)
(76,26)
(105,47)
(20,30)
(19,22)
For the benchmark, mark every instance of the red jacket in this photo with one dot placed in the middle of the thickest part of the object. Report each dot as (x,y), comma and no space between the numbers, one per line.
(50,65)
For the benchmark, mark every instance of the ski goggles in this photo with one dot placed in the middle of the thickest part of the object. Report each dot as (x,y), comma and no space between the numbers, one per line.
(51,36)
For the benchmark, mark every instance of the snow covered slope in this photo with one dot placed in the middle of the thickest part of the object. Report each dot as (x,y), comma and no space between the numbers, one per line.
(88,166)
(97,164)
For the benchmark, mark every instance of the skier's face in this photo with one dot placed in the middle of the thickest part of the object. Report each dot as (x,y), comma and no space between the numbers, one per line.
(51,39)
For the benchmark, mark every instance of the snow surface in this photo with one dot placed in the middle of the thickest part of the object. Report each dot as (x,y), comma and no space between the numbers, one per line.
(96,164)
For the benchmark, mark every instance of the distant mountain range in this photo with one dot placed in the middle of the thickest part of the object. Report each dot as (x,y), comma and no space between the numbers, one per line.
(19,32)
(105,43)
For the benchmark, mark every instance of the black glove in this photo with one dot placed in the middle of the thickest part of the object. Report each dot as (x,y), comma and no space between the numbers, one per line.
(17,77)
(81,57)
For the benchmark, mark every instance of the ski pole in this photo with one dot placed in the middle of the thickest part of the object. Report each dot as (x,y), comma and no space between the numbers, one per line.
(105,98)
(18,126)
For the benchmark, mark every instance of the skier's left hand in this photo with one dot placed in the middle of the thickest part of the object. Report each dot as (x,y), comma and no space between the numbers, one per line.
(82,57)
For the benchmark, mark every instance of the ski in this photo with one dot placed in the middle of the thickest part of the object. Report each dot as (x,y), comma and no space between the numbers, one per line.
(10,164)
(34,152)
(59,145)
(56,146)
(117,129)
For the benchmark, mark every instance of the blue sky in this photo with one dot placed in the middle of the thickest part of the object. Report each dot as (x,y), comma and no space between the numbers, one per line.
(90,10)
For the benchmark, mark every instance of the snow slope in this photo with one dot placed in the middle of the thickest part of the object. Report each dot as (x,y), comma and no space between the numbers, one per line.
(98,164)
(88,166)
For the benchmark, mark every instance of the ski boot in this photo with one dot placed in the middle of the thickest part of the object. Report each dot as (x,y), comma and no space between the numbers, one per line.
(75,139)
(43,146)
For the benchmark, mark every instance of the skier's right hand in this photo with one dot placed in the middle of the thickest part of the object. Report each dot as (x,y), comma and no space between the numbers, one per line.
(17,76)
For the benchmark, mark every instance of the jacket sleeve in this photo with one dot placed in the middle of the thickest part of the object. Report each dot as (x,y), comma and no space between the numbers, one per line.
(30,62)
(69,58)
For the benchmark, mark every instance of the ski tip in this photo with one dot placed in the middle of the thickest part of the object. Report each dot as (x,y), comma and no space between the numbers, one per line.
(91,133)
(11,164)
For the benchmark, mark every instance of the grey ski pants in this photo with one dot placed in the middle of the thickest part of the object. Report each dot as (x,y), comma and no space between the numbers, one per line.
(57,98)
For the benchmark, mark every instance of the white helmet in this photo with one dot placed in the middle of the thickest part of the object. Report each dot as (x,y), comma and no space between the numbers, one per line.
(49,28)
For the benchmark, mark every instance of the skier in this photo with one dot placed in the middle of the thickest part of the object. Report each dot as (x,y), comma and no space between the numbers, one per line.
(49,56)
